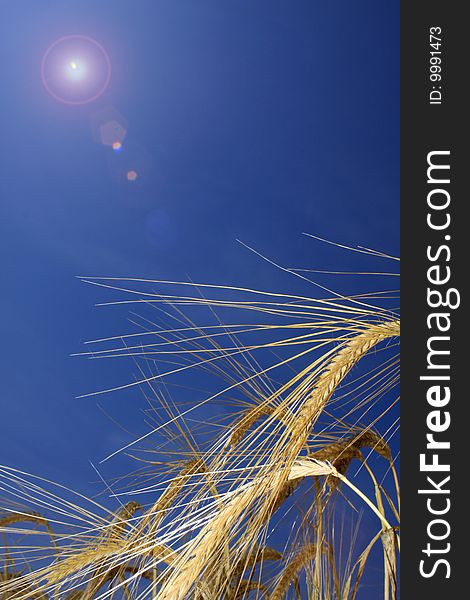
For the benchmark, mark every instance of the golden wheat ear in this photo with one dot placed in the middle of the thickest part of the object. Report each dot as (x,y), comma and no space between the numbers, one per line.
(292,570)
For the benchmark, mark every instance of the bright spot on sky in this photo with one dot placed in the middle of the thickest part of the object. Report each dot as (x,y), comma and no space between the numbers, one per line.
(116,146)
(75,69)
(132,175)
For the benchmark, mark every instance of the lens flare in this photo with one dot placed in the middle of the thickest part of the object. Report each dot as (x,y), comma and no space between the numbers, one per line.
(76,69)
(109,127)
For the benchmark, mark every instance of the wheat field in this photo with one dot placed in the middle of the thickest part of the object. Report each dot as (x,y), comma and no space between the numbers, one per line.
(285,495)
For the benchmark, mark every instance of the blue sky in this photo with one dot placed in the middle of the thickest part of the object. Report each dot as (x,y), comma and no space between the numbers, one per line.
(254,120)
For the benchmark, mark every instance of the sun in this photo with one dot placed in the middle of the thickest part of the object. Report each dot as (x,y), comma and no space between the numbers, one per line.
(76,69)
